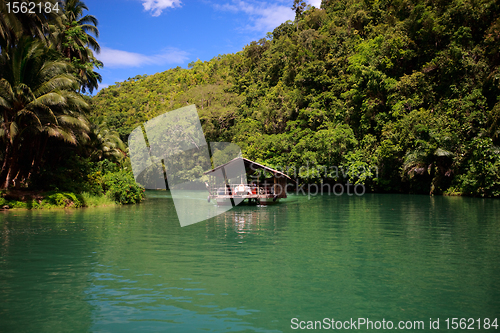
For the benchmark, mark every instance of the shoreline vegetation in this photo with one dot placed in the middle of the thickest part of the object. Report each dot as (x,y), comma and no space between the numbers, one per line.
(52,200)
(90,185)
(410,89)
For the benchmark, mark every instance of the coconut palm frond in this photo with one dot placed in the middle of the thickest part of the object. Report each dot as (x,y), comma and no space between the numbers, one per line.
(52,69)
(6,90)
(4,103)
(413,158)
(415,162)
(88,20)
(24,92)
(30,114)
(84,124)
(61,133)
(73,121)
(106,143)
(60,82)
(51,98)
(45,113)
(74,101)
(13,128)
(94,45)
(89,26)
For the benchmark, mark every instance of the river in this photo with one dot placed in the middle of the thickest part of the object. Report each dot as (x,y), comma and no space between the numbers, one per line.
(380,257)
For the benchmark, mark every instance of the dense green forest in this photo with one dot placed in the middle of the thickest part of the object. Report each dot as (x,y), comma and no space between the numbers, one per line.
(51,152)
(406,90)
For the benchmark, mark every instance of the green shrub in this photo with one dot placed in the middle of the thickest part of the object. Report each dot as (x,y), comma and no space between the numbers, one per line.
(121,187)
(18,204)
(63,200)
(95,183)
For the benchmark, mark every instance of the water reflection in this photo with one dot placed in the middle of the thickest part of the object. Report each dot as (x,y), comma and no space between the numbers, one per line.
(249,222)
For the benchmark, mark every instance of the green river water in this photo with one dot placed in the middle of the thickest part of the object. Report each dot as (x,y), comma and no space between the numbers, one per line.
(252,269)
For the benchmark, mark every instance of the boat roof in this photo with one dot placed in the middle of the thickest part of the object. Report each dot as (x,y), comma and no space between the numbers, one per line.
(249,164)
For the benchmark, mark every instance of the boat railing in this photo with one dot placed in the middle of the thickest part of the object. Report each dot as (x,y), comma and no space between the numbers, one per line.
(241,189)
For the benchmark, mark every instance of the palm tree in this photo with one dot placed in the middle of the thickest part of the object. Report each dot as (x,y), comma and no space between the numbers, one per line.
(73,10)
(428,159)
(37,101)
(105,144)
(75,37)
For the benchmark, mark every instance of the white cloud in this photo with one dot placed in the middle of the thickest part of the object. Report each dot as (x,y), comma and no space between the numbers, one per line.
(118,58)
(264,16)
(157,6)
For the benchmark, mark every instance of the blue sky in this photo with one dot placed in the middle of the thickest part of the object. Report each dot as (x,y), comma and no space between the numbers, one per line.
(150,36)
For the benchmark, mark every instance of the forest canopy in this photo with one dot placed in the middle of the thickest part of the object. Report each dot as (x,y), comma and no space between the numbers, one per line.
(408,87)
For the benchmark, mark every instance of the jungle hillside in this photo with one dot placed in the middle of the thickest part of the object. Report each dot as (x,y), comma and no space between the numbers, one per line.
(407,89)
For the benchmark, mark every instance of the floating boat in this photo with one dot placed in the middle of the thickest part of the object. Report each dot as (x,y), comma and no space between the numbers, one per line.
(242,179)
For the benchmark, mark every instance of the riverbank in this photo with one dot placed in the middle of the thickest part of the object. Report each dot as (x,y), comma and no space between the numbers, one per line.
(91,185)
(25,199)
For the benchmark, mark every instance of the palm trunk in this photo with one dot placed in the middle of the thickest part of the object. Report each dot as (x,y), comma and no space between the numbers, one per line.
(10,165)
(10,172)
(3,171)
